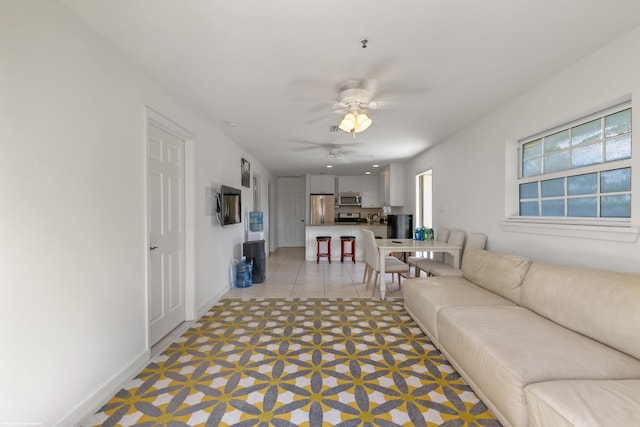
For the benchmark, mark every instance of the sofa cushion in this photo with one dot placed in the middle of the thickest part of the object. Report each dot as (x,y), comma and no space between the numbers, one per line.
(425,297)
(603,305)
(501,349)
(435,268)
(445,270)
(604,403)
(502,274)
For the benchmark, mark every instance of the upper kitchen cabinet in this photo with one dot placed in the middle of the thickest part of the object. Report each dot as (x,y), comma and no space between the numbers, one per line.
(350,184)
(371,192)
(391,182)
(322,184)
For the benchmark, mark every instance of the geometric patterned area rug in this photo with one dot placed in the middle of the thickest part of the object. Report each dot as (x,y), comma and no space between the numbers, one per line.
(298,362)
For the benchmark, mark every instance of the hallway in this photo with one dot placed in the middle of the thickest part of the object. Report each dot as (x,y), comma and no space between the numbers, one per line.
(290,276)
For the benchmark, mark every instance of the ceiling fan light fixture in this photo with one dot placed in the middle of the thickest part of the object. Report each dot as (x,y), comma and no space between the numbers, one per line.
(348,122)
(355,122)
(362,122)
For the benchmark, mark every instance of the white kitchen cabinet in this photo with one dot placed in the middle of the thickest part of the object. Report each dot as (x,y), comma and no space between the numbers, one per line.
(391,182)
(322,184)
(371,192)
(350,184)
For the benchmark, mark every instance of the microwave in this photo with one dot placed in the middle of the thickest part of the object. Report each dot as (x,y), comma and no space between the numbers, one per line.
(350,199)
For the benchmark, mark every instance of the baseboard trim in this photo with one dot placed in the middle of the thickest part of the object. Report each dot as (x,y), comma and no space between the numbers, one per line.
(204,308)
(94,402)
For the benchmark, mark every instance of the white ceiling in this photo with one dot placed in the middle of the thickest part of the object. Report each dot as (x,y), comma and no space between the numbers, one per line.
(274,67)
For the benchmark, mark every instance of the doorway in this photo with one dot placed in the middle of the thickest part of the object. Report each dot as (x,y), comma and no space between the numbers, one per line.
(424,199)
(256,193)
(170,275)
(292,208)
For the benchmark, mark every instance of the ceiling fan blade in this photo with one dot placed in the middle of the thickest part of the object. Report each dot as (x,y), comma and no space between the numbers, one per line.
(310,87)
(318,119)
(372,86)
(388,92)
(322,106)
(310,145)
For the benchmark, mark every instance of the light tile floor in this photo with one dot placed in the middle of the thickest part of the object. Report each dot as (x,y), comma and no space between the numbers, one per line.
(290,276)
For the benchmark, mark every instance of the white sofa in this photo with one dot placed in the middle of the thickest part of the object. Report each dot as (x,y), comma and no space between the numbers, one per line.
(542,345)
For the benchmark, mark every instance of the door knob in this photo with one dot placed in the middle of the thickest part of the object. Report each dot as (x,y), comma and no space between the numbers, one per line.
(153,247)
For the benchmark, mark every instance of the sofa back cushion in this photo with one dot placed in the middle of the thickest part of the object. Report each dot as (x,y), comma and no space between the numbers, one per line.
(603,305)
(501,274)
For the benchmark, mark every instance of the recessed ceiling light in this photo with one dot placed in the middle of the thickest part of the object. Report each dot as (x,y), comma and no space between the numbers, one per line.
(231,124)
(367,173)
(376,166)
(329,166)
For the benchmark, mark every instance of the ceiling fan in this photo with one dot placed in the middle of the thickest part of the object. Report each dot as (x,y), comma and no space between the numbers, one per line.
(356,98)
(331,151)
(338,153)
(355,102)
(355,94)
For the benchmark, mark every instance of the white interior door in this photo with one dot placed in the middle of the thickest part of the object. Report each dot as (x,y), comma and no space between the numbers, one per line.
(292,197)
(166,194)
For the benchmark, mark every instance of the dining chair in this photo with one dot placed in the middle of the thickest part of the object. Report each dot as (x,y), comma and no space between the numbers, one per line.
(392,264)
(456,237)
(475,241)
(365,250)
(441,236)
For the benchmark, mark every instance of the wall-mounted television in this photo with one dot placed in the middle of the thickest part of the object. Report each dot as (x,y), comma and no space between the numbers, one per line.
(229,205)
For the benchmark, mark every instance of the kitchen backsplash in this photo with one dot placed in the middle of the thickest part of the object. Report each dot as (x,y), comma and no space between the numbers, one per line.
(364,212)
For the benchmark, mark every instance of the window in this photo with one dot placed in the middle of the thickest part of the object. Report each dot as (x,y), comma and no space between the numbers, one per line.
(424,202)
(578,171)
(424,215)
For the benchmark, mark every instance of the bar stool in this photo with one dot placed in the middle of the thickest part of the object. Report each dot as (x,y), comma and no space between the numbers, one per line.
(352,254)
(327,240)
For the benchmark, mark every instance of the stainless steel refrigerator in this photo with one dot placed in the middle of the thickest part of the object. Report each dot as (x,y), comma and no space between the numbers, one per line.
(322,209)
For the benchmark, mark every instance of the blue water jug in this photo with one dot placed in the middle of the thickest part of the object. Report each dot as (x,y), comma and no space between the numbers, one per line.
(255,221)
(243,274)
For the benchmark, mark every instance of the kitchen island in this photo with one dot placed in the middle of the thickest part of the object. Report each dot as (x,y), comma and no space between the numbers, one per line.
(335,230)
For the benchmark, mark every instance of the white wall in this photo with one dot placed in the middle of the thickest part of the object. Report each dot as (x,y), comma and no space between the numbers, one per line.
(217,247)
(73,239)
(469,168)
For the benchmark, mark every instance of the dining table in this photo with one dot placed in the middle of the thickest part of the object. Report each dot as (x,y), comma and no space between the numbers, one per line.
(388,246)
